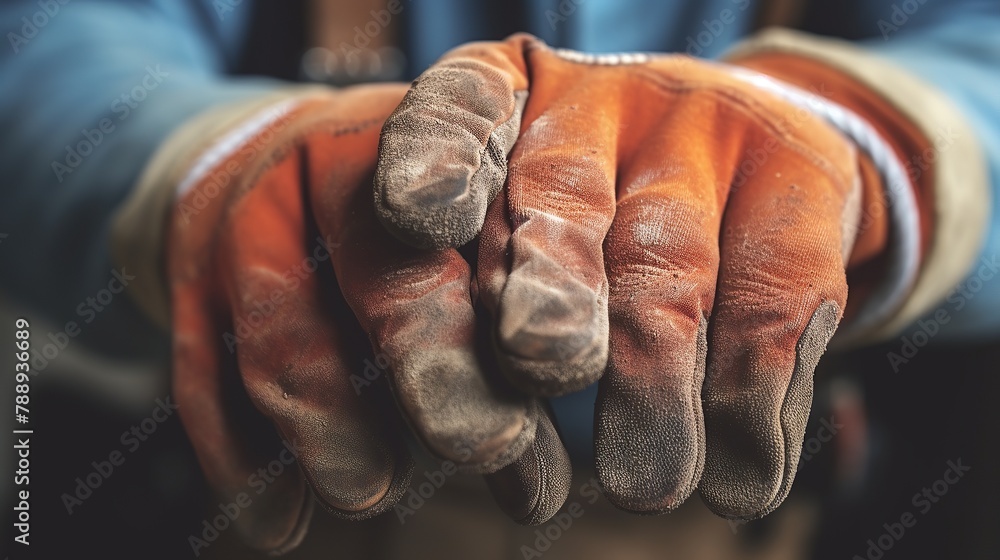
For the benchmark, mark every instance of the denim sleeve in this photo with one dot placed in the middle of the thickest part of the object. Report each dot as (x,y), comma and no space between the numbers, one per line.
(955,45)
(90,89)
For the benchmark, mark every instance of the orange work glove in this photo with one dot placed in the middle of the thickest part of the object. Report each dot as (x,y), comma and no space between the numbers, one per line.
(630,234)
(272,244)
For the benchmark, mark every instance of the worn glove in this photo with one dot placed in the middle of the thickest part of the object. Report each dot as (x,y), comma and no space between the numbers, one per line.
(276,264)
(682,227)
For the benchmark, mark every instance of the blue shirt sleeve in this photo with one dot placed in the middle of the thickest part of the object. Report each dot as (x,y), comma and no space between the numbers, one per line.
(90,89)
(955,45)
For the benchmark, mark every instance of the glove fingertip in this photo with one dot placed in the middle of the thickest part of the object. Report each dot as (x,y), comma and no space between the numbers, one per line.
(373,505)
(443,154)
(533,488)
(751,461)
(298,532)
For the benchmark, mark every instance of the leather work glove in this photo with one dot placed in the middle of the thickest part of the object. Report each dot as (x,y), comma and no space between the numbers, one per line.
(682,230)
(276,264)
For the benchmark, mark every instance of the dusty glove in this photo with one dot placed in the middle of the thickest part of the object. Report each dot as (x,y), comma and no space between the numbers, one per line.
(674,221)
(273,245)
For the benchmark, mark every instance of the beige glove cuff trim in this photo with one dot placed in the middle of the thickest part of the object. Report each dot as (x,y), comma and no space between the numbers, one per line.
(139,224)
(961,185)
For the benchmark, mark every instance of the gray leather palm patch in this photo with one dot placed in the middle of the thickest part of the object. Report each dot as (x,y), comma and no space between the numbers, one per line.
(650,447)
(435,176)
(750,465)
(532,489)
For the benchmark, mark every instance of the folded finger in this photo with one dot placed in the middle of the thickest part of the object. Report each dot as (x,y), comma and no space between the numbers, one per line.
(416,308)
(296,361)
(541,267)
(228,436)
(443,151)
(533,488)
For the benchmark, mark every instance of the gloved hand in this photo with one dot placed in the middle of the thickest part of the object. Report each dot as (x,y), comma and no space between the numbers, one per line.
(272,246)
(682,227)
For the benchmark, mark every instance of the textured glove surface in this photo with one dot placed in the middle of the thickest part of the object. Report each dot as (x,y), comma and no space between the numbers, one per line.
(661,225)
(279,271)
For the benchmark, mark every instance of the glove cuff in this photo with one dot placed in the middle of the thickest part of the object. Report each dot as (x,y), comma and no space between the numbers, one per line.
(197,146)
(883,185)
(944,171)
